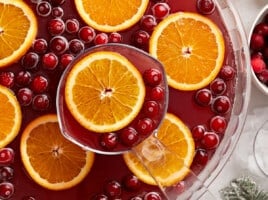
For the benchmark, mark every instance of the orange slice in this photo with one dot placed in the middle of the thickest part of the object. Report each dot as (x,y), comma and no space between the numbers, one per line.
(10,116)
(50,159)
(111,15)
(104,91)
(18,28)
(191,48)
(169,163)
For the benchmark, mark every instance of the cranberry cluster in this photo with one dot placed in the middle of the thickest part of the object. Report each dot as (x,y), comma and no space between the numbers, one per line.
(259,50)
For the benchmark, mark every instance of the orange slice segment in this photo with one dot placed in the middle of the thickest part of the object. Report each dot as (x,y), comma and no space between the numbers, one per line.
(168,164)
(51,160)
(111,15)
(18,28)
(104,91)
(10,116)
(191,48)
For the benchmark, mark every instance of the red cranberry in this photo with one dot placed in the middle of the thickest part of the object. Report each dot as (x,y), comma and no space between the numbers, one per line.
(145,126)
(203,97)
(109,140)
(131,182)
(152,196)
(87,34)
(6,190)
(100,197)
(261,28)
(76,46)
(227,72)
(50,61)
(180,187)
(257,42)
(263,76)
(141,38)
(39,84)
(40,46)
(258,64)
(58,44)
(210,140)
(30,60)
(218,86)
(57,12)
(115,37)
(205,6)
(201,157)
(152,76)
(66,59)
(57,2)
(56,26)
(136,198)
(198,132)
(101,38)
(7,79)
(160,10)
(129,136)
(6,173)
(148,22)
(113,189)
(221,105)
(6,156)
(157,93)
(25,96)
(41,102)
(151,108)
(218,124)
(72,25)
(23,78)
(43,8)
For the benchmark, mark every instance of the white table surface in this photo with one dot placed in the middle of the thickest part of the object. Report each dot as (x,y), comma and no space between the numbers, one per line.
(248,10)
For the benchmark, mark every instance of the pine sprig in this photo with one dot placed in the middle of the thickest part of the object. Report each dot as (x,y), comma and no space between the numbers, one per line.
(243,189)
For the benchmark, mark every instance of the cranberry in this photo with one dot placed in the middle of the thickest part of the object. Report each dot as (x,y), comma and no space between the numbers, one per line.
(6,173)
(43,8)
(151,108)
(40,46)
(58,44)
(263,76)
(30,60)
(261,28)
(218,124)
(157,93)
(160,10)
(100,197)
(50,61)
(115,37)
(257,42)
(76,46)
(129,136)
(152,196)
(198,132)
(257,64)
(227,72)
(86,34)
(113,189)
(23,78)
(218,86)
(221,105)
(152,76)
(148,22)
(57,12)
(136,198)
(6,190)
(56,26)
(180,187)
(205,6)
(210,140)
(25,96)
(41,102)
(6,156)
(72,25)
(131,182)
(201,157)
(57,2)
(141,38)
(7,79)
(66,59)
(203,97)
(109,140)
(145,126)
(101,38)
(39,84)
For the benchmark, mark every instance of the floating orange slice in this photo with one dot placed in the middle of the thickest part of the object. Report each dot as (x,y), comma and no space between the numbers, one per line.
(111,15)
(18,28)
(51,160)
(191,48)
(168,163)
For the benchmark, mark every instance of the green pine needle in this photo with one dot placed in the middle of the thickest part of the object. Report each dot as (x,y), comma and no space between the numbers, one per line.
(243,189)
